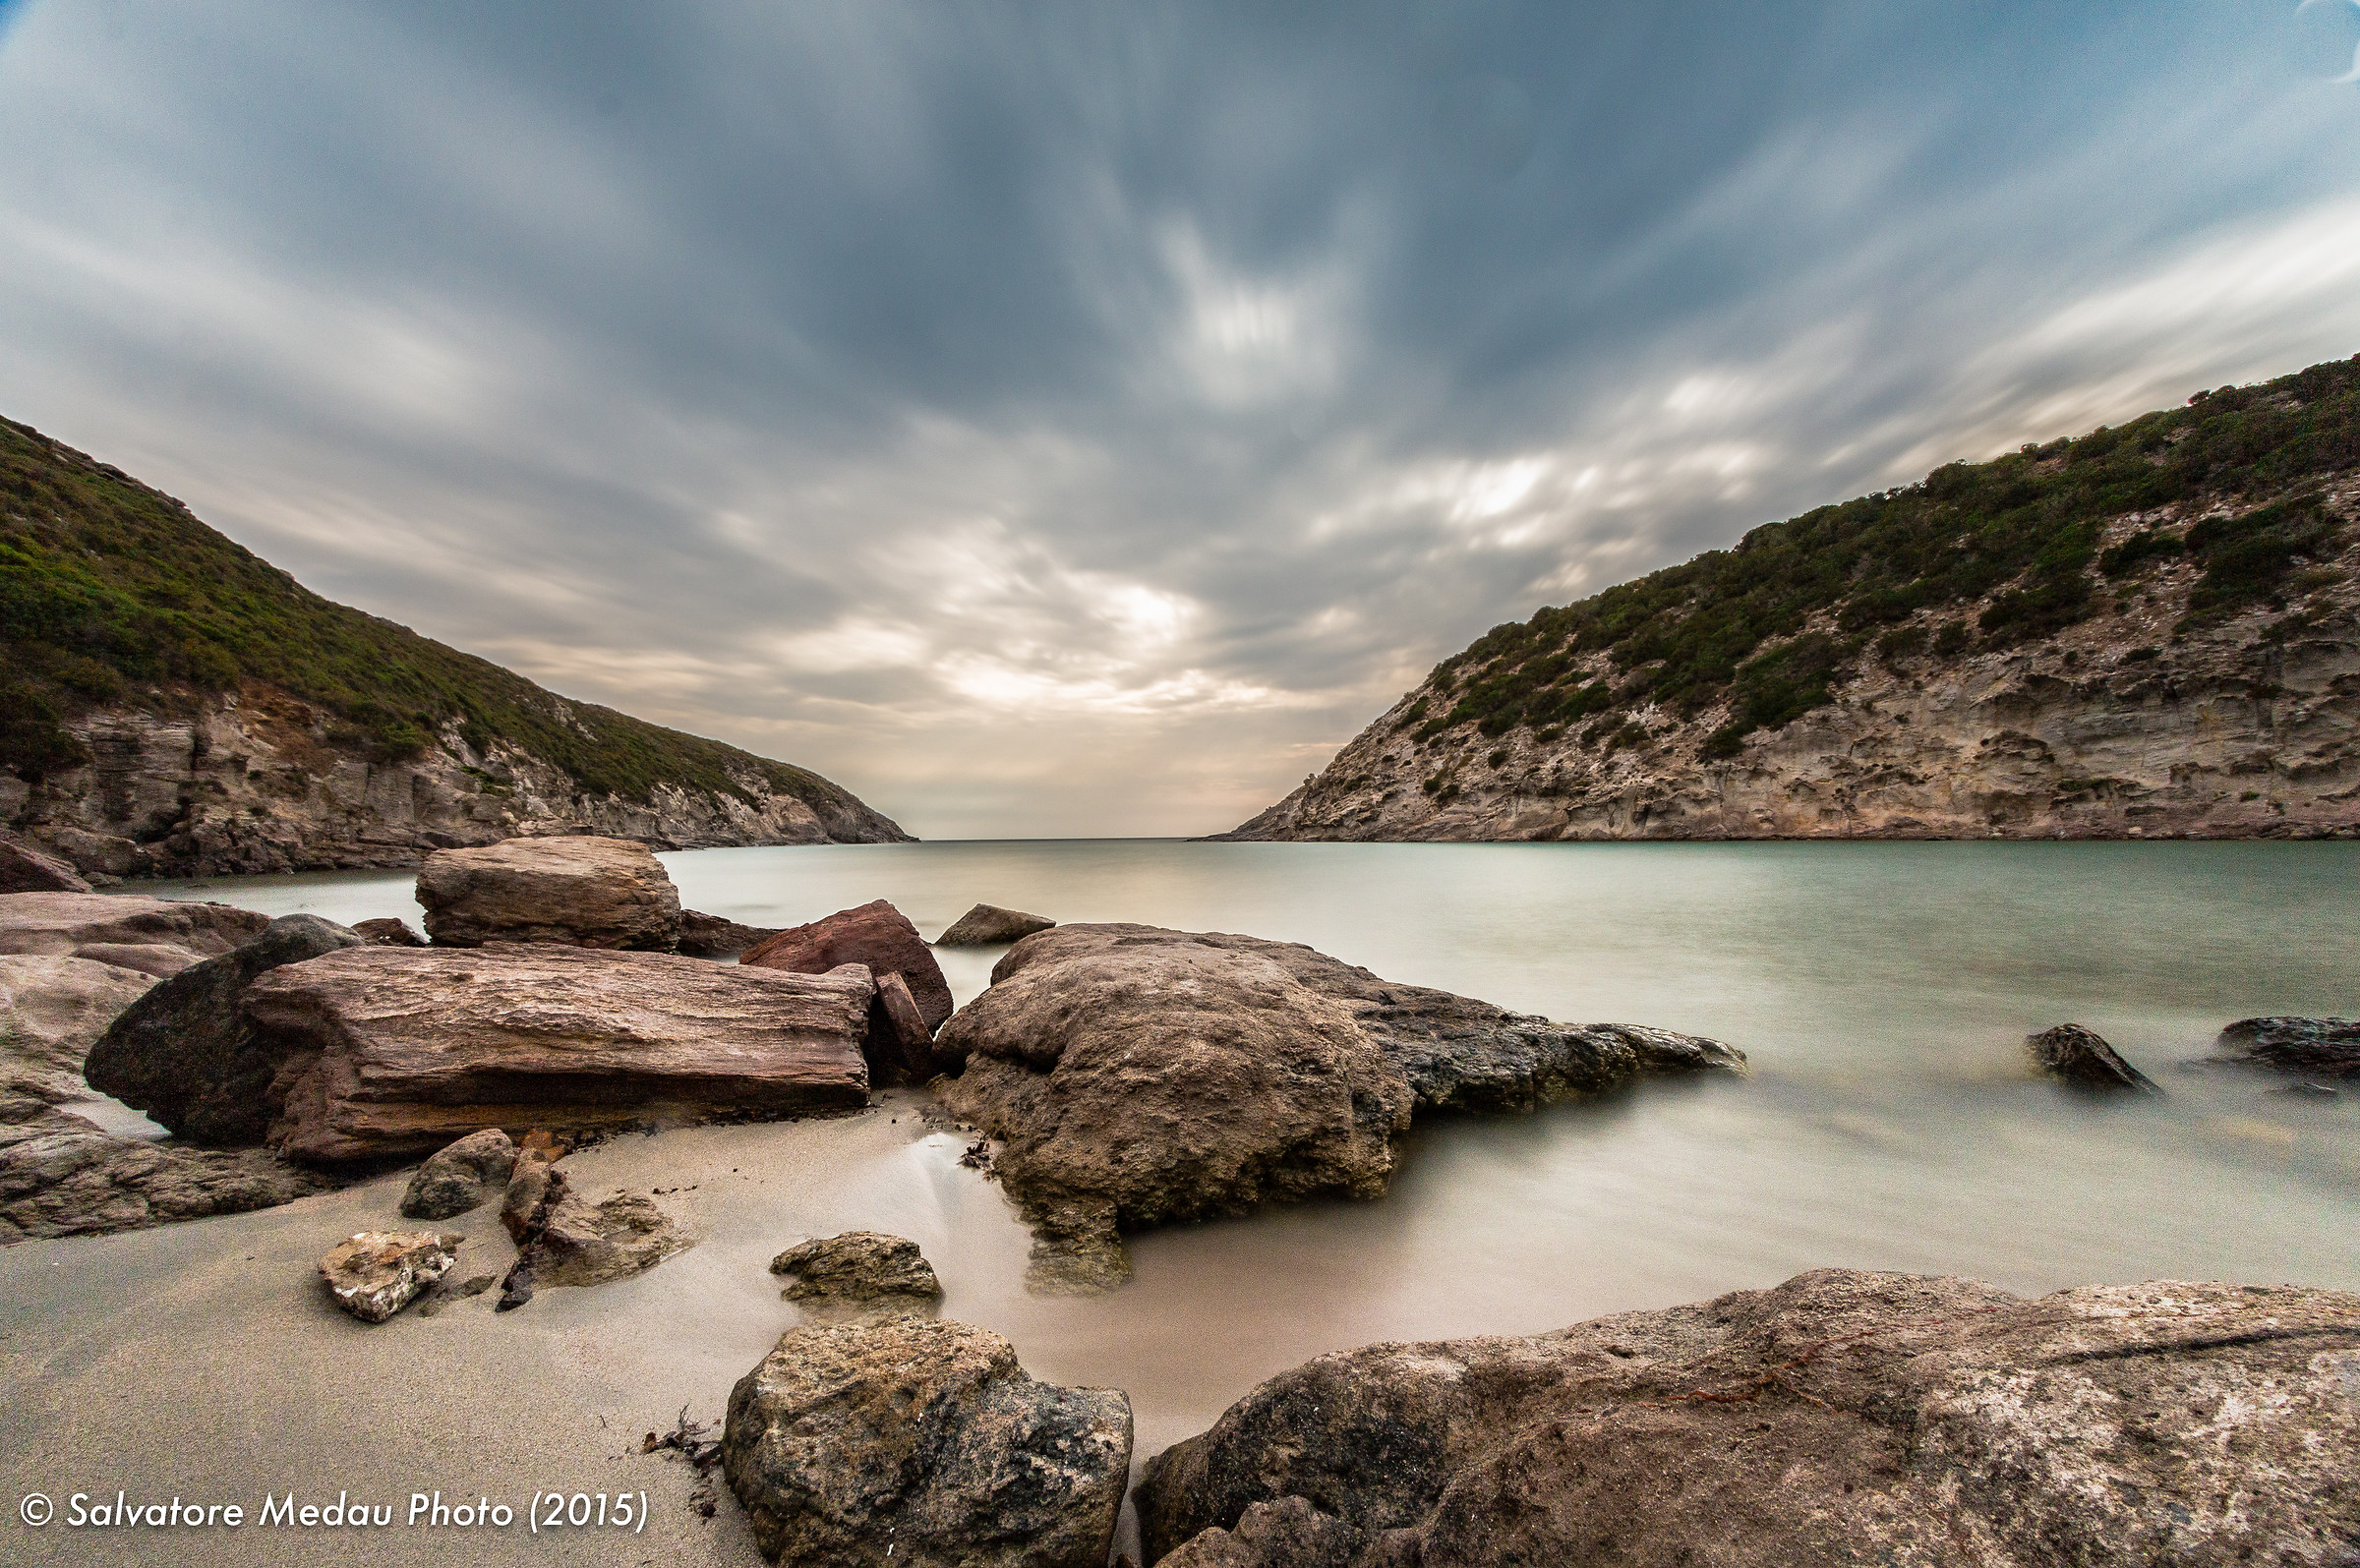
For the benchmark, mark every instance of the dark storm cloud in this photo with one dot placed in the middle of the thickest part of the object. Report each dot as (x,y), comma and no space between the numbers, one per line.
(1060,418)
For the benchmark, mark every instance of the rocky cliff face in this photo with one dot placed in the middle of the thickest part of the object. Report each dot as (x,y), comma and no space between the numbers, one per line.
(258,782)
(2138,722)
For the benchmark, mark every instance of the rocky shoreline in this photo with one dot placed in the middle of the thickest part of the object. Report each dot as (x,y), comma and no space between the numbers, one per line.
(1124,1077)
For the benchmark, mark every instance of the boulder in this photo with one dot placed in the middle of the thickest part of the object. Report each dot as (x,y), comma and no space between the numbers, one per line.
(878,935)
(2315,1047)
(861,1273)
(52,1010)
(563,1239)
(155,936)
(582,891)
(898,1041)
(388,932)
(924,1439)
(460,1176)
(392,1052)
(185,1053)
(377,1273)
(2081,1057)
(988,925)
(1138,1076)
(61,1174)
(710,936)
(25,869)
(1840,1417)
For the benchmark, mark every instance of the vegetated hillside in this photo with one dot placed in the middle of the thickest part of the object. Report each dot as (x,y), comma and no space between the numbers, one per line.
(171,703)
(2146,630)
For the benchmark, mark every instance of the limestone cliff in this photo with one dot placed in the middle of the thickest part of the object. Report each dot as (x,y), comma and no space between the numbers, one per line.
(2189,669)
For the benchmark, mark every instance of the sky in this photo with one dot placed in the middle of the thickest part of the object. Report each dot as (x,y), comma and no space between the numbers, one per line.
(1080,418)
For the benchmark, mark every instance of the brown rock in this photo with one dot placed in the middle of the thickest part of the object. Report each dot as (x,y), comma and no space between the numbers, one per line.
(1138,1077)
(563,1239)
(710,936)
(25,869)
(388,932)
(52,1010)
(875,934)
(2082,1057)
(155,936)
(394,1052)
(582,891)
(378,1273)
(858,1274)
(460,1176)
(924,1439)
(898,1036)
(1841,1418)
(62,1176)
(987,925)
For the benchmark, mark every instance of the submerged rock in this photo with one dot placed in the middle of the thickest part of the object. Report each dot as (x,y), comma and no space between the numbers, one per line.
(387,1051)
(26,869)
(52,1010)
(987,925)
(878,935)
(388,932)
(584,891)
(1138,1076)
(61,1174)
(2316,1047)
(460,1176)
(1842,1417)
(861,1272)
(378,1273)
(185,1052)
(926,1440)
(2082,1057)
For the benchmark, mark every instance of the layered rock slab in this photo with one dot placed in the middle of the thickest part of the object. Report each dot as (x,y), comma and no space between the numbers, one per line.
(1841,1418)
(154,936)
(387,1052)
(52,1010)
(1138,1076)
(185,1052)
(580,890)
(926,1440)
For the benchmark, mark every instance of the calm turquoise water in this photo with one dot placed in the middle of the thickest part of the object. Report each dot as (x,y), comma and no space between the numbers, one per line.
(1883,992)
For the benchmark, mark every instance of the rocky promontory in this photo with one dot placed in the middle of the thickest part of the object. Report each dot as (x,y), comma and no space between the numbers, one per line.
(2149,632)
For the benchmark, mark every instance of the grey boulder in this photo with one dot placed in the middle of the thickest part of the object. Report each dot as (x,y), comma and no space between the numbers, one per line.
(1841,1418)
(185,1052)
(925,1440)
(460,1176)
(987,925)
(859,1273)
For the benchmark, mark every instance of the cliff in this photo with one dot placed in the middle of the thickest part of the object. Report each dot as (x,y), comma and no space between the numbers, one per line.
(2150,631)
(171,705)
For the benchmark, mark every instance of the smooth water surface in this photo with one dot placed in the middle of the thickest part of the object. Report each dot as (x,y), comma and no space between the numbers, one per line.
(1882,990)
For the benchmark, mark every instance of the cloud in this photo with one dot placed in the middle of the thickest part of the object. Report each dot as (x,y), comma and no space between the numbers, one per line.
(1086,428)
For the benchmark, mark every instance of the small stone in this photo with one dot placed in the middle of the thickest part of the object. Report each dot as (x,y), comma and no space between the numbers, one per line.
(861,1272)
(2081,1057)
(460,1176)
(388,932)
(988,925)
(378,1273)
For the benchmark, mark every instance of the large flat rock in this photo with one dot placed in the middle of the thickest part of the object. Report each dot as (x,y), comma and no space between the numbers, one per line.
(581,890)
(391,1051)
(63,1176)
(1841,1418)
(52,1010)
(154,936)
(1138,1076)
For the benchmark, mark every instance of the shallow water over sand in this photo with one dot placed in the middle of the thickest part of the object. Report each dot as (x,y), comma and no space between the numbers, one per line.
(1883,992)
